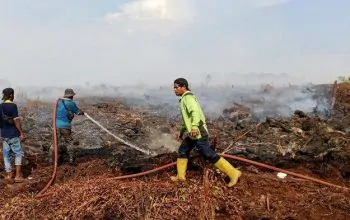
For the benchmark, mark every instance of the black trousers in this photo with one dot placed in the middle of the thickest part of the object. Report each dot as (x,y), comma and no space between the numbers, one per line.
(203,147)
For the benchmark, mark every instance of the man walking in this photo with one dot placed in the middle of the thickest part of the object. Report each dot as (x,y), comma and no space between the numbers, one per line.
(194,133)
(12,134)
(66,110)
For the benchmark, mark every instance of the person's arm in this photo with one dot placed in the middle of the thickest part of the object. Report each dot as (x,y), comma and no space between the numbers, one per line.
(1,119)
(182,129)
(17,122)
(193,109)
(75,109)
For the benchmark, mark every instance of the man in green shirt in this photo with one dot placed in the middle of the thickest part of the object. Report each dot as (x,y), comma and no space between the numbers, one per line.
(194,133)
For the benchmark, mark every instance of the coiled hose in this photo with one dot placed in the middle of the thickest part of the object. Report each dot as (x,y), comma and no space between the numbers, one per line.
(54,172)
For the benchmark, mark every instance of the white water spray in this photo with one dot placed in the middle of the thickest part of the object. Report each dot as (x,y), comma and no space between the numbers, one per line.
(118,138)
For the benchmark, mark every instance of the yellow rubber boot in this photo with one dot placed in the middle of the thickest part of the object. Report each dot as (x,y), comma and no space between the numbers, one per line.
(225,167)
(181,170)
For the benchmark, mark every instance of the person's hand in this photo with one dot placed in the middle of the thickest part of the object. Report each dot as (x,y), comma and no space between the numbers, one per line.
(23,137)
(179,136)
(194,132)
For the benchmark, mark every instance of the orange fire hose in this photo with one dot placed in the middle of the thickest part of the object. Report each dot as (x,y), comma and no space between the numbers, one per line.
(283,171)
(55,147)
(54,172)
(145,172)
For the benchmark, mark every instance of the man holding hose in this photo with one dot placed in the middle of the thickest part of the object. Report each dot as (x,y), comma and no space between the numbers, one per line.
(194,133)
(66,110)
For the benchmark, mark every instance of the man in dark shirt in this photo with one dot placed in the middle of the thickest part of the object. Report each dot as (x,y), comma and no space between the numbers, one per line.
(12,134)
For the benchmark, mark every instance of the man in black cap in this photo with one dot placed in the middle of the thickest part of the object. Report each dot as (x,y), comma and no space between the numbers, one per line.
(12,134)
(194,133)
(66,110)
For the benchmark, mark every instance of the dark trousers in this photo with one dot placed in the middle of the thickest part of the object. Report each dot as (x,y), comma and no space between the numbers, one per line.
(65,142)
(203,147)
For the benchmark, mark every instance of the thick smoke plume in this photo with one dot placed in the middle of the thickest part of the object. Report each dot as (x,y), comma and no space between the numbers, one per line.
(263,100)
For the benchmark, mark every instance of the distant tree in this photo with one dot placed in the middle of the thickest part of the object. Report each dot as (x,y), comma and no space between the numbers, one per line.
(208,79)
(103,86)
(344,79)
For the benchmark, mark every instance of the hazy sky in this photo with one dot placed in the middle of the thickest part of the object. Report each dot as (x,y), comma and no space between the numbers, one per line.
(48,42)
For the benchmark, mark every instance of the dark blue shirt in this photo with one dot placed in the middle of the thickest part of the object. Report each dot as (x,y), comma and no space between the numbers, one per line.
(62,120)
(9,130)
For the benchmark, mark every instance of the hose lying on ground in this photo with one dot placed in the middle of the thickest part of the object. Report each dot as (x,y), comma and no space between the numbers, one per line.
(283,171)
(55,146)
(55,142)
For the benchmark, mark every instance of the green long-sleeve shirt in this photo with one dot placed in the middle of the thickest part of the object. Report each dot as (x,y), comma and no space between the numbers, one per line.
(192,116)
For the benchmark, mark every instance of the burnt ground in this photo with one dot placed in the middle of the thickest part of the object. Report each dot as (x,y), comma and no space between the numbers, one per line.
(306,143)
